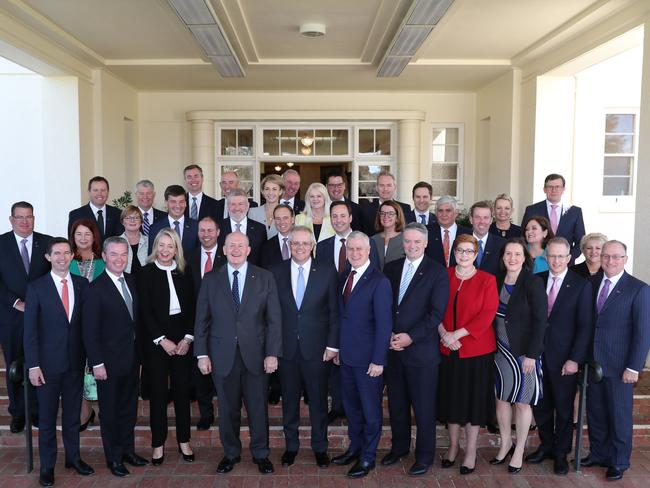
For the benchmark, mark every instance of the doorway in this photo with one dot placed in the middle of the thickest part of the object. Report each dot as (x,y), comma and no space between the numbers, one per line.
(310,173)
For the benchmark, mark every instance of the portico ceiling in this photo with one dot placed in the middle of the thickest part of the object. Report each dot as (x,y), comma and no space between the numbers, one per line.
(144,43)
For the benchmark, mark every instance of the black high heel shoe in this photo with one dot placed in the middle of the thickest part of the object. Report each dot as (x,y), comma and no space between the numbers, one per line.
(495,460)
(466,470)
(158,461)
(188,458)
(90,420)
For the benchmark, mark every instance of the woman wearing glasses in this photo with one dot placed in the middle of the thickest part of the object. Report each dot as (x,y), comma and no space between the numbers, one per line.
(389,224)
(131,220)
(467,343)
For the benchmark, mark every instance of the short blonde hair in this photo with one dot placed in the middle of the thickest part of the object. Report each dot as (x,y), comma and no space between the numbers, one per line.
(275,179)
(323,191)
(173,235)
(594,236)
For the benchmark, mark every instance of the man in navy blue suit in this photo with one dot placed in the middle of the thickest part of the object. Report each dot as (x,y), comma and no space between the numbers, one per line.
(187,229)
(106,216)
(22,260)
(566,220)
(229,182)
(489,245)
(145,194)
(566,345)
(55,357)
(336,188)
(387,190)
(442,233)
(420,294)
(621,343)
(422,195)
(238,221)
(366,325)
(291,179)
(199,204)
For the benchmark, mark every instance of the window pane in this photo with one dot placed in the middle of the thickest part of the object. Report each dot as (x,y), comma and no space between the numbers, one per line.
(617,186)
(288,141)
(271,143)
(245,142)
(445,136)
(339,142)
(444,171)
(228,142)
(323,142)
(370,173)
(621,123)
(445,153)
(367,189)
(382,142)
(366,141)
(244,173)
(619,144)
(444,188)
(618,166)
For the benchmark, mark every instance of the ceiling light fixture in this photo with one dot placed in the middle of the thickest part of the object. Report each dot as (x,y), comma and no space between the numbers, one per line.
(312,29)
(307,141)
(418,23)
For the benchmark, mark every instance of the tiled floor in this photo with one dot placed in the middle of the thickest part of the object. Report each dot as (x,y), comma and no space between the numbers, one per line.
(175,473)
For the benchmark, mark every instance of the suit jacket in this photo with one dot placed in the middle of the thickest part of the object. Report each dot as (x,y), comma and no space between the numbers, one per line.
(52,342)
(570,324)
(421,310)
(394,251)
(221,207)
(194,262)
(571,225)
(14,279)
(366,320)
(110,335)
(157,214)
(434,246)
(357,217)
(111,219)
(491,252)
(410,217)
(270,252)
(325,253)
(256,328)
(315,325)
(256,233)
(190,239)
(622,334)
(208,208)
(369,214)
(526,316)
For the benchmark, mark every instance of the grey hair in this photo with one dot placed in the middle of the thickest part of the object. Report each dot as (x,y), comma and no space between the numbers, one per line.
(237,192)
(614,241)
(421,228)
(386,173)
(357,234)
(594,236)
(145,183)
(303,228)
(114,240)
(560,241)
(290,172)
(447,199)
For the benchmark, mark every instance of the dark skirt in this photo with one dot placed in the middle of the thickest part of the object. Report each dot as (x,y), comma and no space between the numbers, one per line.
(466,390)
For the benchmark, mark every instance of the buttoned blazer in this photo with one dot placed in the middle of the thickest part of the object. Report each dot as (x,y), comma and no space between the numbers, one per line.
(51,341)
(112,224)
(435,249)
(208,208)
(421,310)
(491,253)
(190,239)
(571,225)
(256,328)
(255,232)
(315,325)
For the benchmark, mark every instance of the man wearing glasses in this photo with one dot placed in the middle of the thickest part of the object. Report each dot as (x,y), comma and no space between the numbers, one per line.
(566,220)
(336,189)
(621,342)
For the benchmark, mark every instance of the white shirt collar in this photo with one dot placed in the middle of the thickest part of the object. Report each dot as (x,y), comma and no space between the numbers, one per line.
(95,209)
(339,236)
(243,222)
(361,269)
(57,278)
(484,238)
(181,220)
(613,280)
(561,276)
(242,269)
(19,239)
(305,267)
(114,277)
(213,250)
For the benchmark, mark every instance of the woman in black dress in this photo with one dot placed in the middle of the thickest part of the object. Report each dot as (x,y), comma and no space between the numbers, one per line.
(502,225)
(590,245)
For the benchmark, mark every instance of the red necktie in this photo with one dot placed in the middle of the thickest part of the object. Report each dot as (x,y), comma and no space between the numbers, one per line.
(348,287)
(65,298)
(445,247)
(342,257)
(208,264)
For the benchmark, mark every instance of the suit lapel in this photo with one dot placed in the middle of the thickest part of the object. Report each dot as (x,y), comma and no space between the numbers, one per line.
(251,279)
(362,281)
(54,293)
(417,277)
(36,252)
(17,257)
(311,283)
(568,285)
(616,292)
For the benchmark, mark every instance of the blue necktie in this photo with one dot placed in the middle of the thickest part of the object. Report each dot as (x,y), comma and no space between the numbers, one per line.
(194,210)
(235,290)
(300,288)
(145,223)
(406,280)
(177,227)
(479,257)
(423,219)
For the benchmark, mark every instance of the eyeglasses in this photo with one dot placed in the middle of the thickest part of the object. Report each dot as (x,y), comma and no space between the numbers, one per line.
(336,185)
(469,252)
(388,214)
(612,257)
(133,218)
(556,256)
(300,243)
(23,218)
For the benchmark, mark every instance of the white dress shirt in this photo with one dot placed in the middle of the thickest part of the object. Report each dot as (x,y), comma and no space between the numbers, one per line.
(204,257)
(95,210)
(244,225)
(337,246)
(360,270)
(190,201)
(558,279)
(28,244)
(453,228)
(181,223)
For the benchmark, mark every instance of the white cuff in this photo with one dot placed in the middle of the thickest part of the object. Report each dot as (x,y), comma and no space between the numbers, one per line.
(189,337)
(201,357)
(35,367)
(98,366)
(333,349)
(157,340)
(632,371)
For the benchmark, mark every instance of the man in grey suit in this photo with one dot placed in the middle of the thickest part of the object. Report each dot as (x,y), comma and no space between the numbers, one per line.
(238,338)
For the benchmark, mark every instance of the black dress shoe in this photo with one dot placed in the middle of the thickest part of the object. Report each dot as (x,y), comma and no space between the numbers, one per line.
(157,461)
(118,469)
(447,463)
(588,462)
(334,415)
(134,460)
(205,423)
(514,470)
(465,470)
(188,458)
(274,396)
(391,458)
(495,460)
(46,477)
(613,473)
(346,458)
(418,469)
(537,457)
(264,466)
(17,425)
(35,422)
(81,467)
(361,469)
(288,457)
(561,466)
(322,459)
(227,464)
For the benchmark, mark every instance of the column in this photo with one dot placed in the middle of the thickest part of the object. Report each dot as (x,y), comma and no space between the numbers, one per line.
(408,158)
(203,137)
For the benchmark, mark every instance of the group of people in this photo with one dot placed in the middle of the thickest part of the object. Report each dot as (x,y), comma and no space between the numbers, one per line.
(332,299)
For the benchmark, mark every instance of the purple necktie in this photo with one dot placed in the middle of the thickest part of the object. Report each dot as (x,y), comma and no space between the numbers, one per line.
(602,296)
(24,254)
(285,249)
(553,218)
(552,294)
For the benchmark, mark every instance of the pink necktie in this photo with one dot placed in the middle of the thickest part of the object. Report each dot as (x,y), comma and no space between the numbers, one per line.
(552,294)
(553,217)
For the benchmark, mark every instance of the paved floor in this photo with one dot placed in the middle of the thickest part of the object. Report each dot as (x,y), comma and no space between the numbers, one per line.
(175,473)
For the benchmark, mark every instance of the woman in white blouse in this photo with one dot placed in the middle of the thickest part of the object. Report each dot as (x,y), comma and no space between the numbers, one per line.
(316,215)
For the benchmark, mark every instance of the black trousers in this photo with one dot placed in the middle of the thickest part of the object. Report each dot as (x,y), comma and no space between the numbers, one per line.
(335,388)
(313,374)
(11,338)
(118,402)
(205,391)
(68,387)
(241,384)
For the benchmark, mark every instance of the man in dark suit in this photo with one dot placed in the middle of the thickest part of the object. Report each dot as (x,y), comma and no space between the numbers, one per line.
(366,325)
(442,233)
(238,338)
(229,181)
(291,179)
(22,260)
(145,194)
(310,328)
(566,220)
(209,256)
(422,195)
(238,221)
(489,245)
(186,228)
(199,204)
(276,249)
(420,294)
(336,188)
(621,342)
(387,190)
(110,335)
(566,344)
(106,216)
(54,356)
